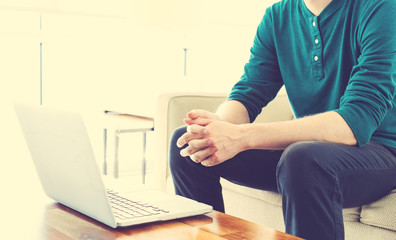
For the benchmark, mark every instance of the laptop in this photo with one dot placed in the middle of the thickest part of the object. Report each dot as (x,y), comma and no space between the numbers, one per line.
(69,174)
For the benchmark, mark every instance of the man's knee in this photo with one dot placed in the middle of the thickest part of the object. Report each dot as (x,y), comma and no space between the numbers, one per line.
(298,155)
(174,150)
(176,135)
(299,165)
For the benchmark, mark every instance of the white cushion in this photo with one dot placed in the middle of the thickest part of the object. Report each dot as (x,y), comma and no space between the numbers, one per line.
(381,213)
(275,199)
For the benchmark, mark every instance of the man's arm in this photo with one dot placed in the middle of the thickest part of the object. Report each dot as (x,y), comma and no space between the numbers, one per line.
(227,140)
(218,141)
(233,112)
(326,127)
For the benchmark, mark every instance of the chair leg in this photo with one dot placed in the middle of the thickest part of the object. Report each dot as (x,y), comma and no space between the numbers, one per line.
(144,159)
(105,151)
(117,139)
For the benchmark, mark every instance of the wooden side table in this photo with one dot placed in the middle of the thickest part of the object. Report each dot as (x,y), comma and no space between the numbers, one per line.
(125,123)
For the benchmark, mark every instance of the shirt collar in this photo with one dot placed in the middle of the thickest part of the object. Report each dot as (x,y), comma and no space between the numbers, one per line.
(333,6)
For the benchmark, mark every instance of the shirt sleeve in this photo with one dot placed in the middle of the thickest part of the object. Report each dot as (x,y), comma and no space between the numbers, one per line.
(261,79)
(371,87)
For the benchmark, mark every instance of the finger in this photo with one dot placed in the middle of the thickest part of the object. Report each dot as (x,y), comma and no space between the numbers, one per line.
(200,113)
(193,132)
(188,136)
(211,161)
(197,129)
(185,152)
(203,154)
(195,146)
(198,144)
(198,121)
(185,138)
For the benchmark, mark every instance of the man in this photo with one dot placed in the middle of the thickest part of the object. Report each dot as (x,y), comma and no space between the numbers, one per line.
(337,61)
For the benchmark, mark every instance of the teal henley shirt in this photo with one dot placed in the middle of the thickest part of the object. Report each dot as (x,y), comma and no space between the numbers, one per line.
(343,60)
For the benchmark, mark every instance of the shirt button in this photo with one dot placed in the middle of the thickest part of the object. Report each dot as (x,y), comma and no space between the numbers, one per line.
(316,58)
(313,24)
(316,41)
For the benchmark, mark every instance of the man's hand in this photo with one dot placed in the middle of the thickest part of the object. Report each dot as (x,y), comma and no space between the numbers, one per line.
(197,139)
(226,138)
(196,120)
(202,132)
(211,144)
(201,117)
(199,146)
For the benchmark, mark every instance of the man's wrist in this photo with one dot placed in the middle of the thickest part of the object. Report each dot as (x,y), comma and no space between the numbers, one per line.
(246,136)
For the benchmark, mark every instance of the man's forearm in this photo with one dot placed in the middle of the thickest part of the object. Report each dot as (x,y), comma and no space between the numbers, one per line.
(328,127)
(233,112)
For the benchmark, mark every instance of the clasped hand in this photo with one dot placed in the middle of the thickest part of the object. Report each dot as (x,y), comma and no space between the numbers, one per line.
(210,141)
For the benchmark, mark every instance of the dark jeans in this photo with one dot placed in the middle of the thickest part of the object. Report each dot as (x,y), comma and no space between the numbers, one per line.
(316,180)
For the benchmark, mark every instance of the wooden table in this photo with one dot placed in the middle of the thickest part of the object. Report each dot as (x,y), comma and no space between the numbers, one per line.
(55,221)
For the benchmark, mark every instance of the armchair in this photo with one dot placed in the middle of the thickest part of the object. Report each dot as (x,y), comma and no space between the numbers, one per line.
(374,221)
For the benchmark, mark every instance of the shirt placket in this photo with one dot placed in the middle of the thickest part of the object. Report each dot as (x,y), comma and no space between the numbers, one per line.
(317,50)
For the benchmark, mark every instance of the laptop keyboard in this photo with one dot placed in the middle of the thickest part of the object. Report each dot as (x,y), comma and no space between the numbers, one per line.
(126,209)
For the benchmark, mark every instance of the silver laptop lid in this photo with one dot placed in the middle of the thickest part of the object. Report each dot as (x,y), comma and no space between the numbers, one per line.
(61,150)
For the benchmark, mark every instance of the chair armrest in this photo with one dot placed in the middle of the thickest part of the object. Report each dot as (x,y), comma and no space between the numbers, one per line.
(173,107)
(277,110)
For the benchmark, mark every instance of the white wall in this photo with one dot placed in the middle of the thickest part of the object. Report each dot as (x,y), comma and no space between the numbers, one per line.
(115,53)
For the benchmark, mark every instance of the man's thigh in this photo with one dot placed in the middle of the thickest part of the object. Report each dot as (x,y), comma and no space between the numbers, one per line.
(252,168)
(363,174)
